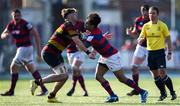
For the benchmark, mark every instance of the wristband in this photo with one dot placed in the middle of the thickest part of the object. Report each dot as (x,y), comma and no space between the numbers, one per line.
(169,53)
(88,52)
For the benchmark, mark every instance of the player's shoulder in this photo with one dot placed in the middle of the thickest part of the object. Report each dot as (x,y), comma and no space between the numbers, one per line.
(67,24)
(161,22)
(96,31)
(12,22)
(80,21)
(23,21)
(147,25)
(138,18)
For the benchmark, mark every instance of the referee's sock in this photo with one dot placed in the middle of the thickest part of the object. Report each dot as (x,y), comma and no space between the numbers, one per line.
(160,84)
(168,82)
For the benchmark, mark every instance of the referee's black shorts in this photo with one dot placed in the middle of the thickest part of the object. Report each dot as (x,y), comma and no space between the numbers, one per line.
(156,59)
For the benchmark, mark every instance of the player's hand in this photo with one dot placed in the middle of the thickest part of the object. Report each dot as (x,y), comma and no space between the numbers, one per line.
(107,35)
(140,40)
(92,55)
(5,35)
(39,59)
(169,56)
(128,31)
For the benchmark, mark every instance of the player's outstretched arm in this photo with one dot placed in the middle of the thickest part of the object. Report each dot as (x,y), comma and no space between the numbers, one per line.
(131,32)
(79,43)
(5,34)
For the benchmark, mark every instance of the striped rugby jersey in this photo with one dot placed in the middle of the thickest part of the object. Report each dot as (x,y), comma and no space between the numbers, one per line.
(62,36)
(100,43)
(139,22)
(20,32)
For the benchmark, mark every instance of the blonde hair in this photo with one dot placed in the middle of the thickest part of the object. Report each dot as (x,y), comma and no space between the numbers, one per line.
(66,11)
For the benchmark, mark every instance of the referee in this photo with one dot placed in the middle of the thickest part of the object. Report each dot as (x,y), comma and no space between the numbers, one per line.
(157,34)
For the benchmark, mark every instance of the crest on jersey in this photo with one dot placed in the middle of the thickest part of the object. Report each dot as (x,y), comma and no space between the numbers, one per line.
(89,38)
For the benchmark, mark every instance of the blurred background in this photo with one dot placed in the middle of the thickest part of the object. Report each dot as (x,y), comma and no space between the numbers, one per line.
(116,15)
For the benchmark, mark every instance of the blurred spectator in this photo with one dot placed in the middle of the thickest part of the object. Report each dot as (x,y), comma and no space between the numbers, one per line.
(177,44)
(128,46)
(174,36)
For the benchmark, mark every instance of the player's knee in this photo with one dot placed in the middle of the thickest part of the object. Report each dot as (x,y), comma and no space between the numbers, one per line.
(135,70)
(60,69)
(63,77)
(134,66)
(75,68)
(66,76)
(98,77)
(14,68)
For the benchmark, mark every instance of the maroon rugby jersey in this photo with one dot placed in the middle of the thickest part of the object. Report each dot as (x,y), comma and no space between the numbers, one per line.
(20,32)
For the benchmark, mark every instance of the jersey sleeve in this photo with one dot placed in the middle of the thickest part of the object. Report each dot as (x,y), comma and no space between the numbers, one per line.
(165,31)
(135,23)
(29,26)
(143,32)
(72,31)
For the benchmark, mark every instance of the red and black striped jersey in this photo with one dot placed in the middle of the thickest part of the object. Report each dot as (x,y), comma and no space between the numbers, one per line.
(100,43)
(138,24)
(20,32)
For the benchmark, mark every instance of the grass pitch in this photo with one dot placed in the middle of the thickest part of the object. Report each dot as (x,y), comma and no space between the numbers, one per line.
(97,94)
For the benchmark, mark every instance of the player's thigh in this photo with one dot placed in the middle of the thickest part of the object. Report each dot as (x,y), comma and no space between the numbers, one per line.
(137,60)
(30,67)
(120,75)
(139,55)
(114,62)
(101,69)
(14,68)
(78,59)
(70,57)
(154,73)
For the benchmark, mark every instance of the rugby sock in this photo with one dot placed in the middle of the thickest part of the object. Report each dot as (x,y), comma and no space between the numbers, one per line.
(81,81)
(37,76)
(14,78)
(75,78)
(107,87)
(135,78)
(132,84)
(168,82)
(160,84)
